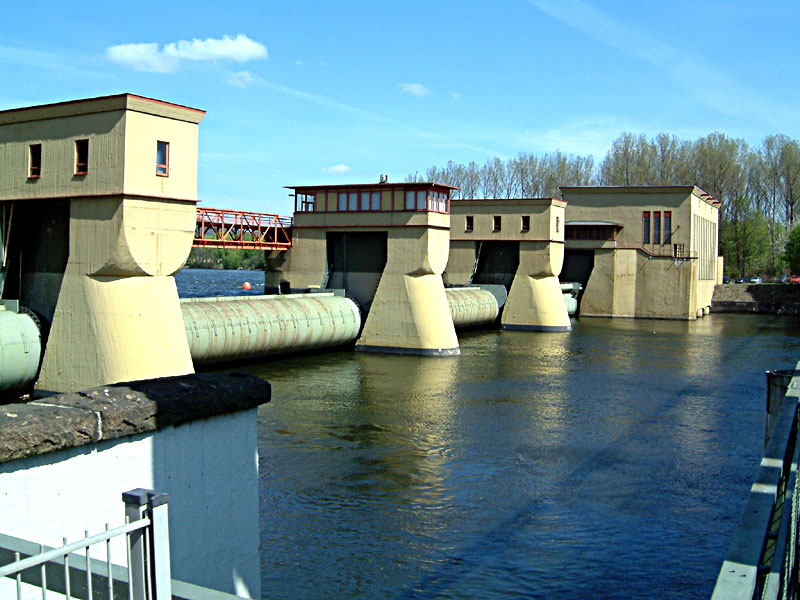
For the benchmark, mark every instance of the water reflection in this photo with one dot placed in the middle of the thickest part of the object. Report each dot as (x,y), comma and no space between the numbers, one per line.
(529,466)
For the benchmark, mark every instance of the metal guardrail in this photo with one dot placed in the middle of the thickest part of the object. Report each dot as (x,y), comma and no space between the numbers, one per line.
(71,572)
(762,559)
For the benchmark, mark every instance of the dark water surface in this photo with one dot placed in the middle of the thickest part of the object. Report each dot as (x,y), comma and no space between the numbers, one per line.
(610,462)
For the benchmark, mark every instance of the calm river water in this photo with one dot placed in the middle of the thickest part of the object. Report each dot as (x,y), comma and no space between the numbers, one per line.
(610,462)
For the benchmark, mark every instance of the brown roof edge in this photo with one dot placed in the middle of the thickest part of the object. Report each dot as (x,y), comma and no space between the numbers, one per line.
(343,186)
(83,106)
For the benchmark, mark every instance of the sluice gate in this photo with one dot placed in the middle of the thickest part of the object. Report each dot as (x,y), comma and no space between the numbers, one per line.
(235,328)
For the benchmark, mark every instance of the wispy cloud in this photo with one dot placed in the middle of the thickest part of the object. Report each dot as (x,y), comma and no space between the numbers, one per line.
(415,89)
(709,84)
(149,57)
(443,140)
(340,168)
(455,96)
(243,79)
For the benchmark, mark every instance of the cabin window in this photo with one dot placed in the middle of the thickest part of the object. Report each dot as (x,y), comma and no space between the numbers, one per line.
(410,199)
(81,157)
(342,201)
(667,227)
(422,198)
(306,202)
(646,227)
(364,200)
(34,161)
(352,201)
(526,223)
(468,223)
(496,223)
(162,159)
(558,223)
(375,203)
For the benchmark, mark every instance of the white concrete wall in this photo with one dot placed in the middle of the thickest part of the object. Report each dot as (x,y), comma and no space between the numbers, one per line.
(209,468)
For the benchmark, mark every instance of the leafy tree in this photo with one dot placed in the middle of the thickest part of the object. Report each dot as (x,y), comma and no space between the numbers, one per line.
(792,252)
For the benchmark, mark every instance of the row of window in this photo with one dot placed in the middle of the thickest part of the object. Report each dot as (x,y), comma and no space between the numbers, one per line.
(654,235)
(497,223)
(371,201)
(82,159)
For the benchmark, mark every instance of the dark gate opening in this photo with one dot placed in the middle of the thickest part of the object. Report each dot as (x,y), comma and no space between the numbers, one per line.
(578,266)
(496,263)
(355,263)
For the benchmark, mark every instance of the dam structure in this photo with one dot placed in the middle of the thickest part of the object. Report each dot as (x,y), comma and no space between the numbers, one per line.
(97,213)
(386,245)
(97,199)
(517,244)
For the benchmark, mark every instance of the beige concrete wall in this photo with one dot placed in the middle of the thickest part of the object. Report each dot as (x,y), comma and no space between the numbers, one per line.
(142,132)
(544,213)
(460,262)
(410,311)
(629,283)
(304,265)
(535,301)
(625,206)
(106,134)
(118,317)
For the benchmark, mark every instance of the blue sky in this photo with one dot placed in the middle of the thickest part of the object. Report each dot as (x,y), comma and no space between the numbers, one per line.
(302,93)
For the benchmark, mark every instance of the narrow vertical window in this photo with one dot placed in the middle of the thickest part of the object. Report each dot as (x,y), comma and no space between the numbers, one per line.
(364,200)
(81,157)
(162,159)
(526,222)
(342,201)
(422,198)
(34,161)
(657,227)
(410,199)
(558,223)
(375,203)
(496,223)
(468,222)
(646,227)
(352,201)
(667,227)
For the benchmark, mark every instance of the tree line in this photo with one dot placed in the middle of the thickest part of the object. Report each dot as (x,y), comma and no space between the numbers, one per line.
(758,187)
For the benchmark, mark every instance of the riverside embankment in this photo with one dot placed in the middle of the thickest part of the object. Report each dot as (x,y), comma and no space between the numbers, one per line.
(770,298)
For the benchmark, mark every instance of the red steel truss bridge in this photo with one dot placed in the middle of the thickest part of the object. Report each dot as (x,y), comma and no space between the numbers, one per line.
(225,228)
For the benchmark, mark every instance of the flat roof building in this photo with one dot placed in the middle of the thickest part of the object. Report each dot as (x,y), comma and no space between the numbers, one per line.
(642,251)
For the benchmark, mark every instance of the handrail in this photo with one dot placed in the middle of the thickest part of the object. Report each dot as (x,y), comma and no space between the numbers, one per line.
(762,559)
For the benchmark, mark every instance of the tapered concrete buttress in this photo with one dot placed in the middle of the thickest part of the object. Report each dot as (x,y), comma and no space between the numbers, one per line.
(118,317)
(410,313)
(534,301)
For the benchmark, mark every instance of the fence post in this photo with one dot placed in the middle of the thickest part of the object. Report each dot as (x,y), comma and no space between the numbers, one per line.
(159,550)
(135,506)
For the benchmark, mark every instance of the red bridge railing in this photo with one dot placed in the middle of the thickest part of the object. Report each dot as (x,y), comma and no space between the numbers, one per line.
(225,228)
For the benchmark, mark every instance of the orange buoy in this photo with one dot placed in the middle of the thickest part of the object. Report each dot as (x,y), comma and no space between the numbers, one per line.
(246,285)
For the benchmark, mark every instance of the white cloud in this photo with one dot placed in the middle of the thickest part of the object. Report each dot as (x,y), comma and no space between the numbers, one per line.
(340,168)
(239,49)
(142,57)
(148,56)
(415,89)
(243,79)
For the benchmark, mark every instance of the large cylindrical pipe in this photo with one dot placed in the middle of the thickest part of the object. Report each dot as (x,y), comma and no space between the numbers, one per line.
(20,349)
(471,306)
(231,328)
